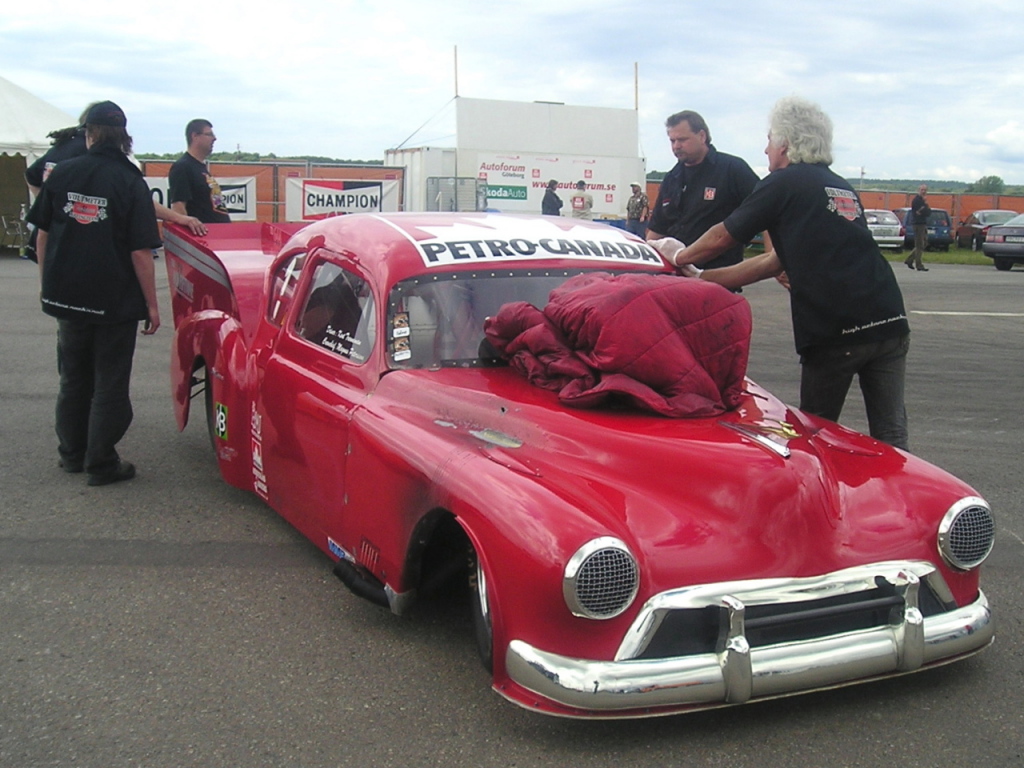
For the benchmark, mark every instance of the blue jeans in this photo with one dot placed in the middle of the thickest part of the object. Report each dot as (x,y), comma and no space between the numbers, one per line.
(93,405)
(827,373)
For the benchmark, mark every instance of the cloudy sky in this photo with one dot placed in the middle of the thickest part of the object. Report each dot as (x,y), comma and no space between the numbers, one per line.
(915,89)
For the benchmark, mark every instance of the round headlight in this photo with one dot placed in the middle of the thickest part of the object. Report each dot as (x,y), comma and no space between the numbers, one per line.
(967,533)
(601,579)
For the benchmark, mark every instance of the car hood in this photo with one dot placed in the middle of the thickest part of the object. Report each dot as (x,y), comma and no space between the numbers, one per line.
(761,490)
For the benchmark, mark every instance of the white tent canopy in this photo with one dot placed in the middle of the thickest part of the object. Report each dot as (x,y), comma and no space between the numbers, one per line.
(25,121)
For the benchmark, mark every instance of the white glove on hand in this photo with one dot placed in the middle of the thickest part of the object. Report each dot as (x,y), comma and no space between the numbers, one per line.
(689,270)
(668,247)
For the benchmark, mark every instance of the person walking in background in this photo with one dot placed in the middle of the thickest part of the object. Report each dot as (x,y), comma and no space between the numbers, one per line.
(848,313)
(702,189)
(918,214)
(551,205)
(582,202)
(192,189)
(97,233)
(636,210)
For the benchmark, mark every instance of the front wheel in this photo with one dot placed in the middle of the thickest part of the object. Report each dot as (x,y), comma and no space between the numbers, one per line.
(211,415)
(482,626)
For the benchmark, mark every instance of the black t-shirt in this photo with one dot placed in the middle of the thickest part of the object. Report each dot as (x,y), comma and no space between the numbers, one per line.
(96,209)
(191,183)
(843,290)
(693,198)
(38,172)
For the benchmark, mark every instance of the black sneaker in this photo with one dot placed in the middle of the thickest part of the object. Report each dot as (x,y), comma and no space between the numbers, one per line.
(71,466)
(125,471)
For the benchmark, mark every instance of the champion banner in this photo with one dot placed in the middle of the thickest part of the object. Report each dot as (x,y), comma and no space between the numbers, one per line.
(314,199)
(239,194)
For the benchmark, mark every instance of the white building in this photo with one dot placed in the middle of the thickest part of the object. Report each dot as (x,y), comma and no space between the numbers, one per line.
(509,151)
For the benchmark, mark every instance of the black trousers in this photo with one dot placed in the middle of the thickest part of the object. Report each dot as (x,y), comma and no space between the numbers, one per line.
(93,405)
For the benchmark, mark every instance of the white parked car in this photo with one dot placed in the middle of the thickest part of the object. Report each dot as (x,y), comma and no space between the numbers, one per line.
(885,228)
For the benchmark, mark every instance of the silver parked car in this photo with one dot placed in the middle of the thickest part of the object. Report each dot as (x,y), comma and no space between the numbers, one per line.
(885,228)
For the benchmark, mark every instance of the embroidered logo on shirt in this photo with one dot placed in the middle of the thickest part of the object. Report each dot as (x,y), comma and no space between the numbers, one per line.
(709,193)
(84,209)
(844,202)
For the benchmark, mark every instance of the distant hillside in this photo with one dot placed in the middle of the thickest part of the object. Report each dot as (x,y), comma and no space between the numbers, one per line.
(256,157)
(935,186)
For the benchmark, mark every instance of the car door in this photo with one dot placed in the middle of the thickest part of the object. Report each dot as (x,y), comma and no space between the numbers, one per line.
(311,379)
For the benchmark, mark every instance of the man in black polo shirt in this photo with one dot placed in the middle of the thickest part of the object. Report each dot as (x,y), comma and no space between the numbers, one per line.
(702,189)
(848,312)
(192,189)
(97,233)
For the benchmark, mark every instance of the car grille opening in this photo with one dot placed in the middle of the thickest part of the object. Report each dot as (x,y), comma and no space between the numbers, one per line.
(702,630)
(601,580)
(967,534)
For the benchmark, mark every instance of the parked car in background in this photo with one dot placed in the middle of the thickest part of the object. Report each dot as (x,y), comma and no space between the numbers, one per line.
(971,231)
(885,228)
(940,229)
(1004,243)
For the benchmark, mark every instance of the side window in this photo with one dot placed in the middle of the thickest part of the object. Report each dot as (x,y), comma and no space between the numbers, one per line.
(282,289)
(338,314)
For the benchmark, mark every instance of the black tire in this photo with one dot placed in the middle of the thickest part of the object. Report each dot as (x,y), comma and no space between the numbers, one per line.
(480,601)
(1003,265)
(211,418)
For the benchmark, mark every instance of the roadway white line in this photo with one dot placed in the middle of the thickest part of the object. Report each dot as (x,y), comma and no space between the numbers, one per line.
(1007,530)
(968,314)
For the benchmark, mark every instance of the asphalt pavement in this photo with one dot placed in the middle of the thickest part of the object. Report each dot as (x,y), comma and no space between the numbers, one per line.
(173,621)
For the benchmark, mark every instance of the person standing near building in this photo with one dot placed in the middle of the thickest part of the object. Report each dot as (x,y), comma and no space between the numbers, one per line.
(636,210)
(848,313)
(582,202)
(551,205)
(918,214)
(702,189)
(192,189)
(97,232)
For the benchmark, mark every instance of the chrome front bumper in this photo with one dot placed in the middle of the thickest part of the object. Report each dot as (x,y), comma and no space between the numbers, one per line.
(737,673)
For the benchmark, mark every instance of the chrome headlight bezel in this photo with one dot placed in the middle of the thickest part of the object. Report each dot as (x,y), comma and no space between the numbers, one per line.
(951,534)
(579,574)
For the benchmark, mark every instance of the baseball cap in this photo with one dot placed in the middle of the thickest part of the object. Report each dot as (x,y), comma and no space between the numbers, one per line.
(106,113)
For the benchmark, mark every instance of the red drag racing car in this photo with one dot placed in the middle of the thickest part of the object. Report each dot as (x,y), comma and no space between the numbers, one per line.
(622,562)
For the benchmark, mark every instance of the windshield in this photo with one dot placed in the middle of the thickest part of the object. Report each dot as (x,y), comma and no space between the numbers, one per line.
(438,320)
(1016,221)
(881,217)
(995,217)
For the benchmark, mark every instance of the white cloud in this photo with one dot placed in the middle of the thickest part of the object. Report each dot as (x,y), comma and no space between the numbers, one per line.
(910,94)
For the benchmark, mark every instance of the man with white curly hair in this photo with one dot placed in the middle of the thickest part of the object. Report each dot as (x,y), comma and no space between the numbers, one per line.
(848,312)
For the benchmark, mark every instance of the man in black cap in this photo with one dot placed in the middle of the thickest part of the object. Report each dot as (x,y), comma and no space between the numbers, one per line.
(97,232)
